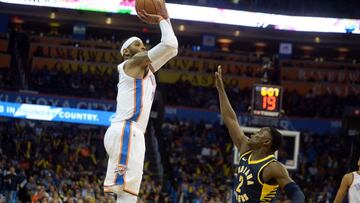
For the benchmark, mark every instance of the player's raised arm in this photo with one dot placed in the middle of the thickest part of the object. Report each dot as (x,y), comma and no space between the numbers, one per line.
(345,183)
(276,171)
(166,49)
(229,116)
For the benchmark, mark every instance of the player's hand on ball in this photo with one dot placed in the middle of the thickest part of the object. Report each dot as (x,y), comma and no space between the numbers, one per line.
(149,18)
(163,10)
(218,79)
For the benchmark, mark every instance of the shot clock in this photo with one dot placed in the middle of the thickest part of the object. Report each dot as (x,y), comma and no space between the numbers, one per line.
(266,100)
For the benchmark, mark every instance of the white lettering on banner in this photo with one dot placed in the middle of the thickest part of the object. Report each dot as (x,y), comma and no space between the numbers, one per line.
(79,116)
(38,112)
(170,111)
(58,102)
(66,104)
(4,97)
(10,109)
(93,105)
(1,109)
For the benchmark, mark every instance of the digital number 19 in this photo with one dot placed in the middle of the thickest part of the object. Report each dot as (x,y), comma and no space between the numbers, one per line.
(269,103)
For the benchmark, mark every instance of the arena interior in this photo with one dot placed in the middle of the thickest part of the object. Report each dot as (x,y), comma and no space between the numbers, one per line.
(58,86)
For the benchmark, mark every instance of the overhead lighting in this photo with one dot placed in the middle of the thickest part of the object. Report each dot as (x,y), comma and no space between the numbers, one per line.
(225,40)
(260,44)
(108,20)
(307,48)
(182,28)
(343,49)
(317,39)
(237,33)
(52,15)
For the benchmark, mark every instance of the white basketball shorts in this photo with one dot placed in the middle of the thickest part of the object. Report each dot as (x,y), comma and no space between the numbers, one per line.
(125,145)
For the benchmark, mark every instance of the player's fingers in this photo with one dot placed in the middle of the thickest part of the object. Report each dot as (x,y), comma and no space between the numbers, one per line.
(219,70)
(140,14)
(146,14)
(142,17)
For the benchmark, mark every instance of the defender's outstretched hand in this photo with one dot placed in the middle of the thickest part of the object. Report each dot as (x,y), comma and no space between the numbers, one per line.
(218,79)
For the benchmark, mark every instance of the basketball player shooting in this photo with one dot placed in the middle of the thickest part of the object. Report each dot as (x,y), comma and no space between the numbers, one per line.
(350,184)
(259,174)
(124,140)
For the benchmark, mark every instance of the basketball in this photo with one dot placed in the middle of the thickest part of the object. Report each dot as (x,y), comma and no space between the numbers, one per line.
(150,6)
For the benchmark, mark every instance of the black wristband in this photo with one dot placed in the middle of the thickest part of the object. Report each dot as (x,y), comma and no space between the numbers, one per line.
(294,192)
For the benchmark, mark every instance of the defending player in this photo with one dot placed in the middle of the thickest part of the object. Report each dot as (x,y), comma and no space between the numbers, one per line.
(259,174)
(124,140)
(350,184)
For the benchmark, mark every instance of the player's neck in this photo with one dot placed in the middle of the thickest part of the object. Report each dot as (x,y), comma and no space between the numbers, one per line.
(259,154)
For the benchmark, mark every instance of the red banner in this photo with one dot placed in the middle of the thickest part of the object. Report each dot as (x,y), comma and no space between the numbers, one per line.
(4,45)
(5,60)
(308,74)
(210,66)
(73,66)
(318,65)
(74,53)
(81,43)
(320,88)
(167,75)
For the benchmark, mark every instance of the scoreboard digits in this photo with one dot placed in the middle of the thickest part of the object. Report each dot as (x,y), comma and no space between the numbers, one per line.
(266,100)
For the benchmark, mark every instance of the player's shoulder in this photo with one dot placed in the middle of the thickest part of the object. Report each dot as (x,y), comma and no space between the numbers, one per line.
(121,67)
(348,177)
(276,168)
(122,63)
(275,164)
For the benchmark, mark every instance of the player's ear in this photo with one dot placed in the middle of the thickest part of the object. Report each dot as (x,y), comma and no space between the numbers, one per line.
(126,53)
(267,141)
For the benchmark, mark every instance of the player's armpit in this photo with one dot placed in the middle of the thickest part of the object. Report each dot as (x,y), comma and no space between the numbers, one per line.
(278,172)
(139,60)
(345,183)
(135,66)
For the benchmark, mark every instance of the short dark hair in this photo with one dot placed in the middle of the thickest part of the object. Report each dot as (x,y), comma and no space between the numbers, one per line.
(276,139)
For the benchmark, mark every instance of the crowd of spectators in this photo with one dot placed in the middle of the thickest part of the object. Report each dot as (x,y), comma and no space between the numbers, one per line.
(9,79)
(184,94)
(201,158)
(52,162)
(325,106)
(103,86)
(58,81)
